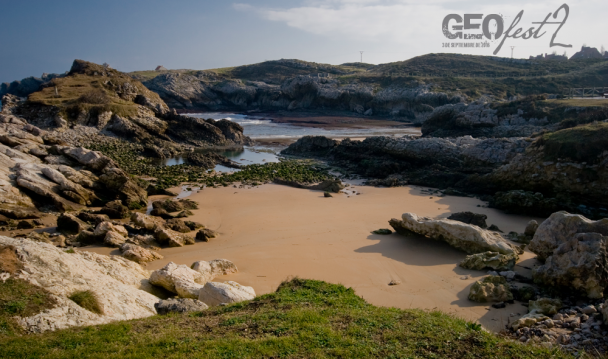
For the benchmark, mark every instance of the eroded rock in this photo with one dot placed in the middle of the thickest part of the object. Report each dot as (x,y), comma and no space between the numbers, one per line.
(492,260)
(466,237)
(179,305)
(491,289)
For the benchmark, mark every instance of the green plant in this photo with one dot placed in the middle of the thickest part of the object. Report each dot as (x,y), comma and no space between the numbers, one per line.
(88,300)
(70,250)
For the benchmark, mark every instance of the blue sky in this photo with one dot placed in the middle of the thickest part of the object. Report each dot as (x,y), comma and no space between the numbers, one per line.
(46,36)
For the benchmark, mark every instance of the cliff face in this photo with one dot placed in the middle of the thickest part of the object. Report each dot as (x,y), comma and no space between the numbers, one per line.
(208,91)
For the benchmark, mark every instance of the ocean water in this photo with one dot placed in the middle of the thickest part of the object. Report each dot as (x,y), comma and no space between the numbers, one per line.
(259,127)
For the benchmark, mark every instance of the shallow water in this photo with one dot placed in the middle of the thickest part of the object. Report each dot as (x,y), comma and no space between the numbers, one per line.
(245,156)
(259,127)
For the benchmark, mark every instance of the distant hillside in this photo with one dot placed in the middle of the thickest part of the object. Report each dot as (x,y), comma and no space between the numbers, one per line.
(407,90)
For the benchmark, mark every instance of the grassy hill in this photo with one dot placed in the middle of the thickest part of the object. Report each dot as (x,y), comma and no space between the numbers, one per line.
(470,74)
(303,318)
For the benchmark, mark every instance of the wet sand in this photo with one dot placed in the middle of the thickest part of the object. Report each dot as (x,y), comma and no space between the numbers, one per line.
(275,232)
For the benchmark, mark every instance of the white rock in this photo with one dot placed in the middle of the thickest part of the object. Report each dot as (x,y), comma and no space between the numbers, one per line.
(214,293)
(120,284)
(466,237)
(169,275)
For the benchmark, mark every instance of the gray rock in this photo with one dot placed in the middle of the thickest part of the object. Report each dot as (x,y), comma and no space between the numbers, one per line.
(476,219)
(179,305)
(531,228)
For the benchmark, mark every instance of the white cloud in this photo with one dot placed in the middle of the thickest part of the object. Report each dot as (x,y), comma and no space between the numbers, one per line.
(416,25)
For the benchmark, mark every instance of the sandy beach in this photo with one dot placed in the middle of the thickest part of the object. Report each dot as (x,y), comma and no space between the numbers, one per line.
(274,232)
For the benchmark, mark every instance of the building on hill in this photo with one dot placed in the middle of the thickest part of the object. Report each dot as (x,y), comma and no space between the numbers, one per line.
(587,53)
(549,57)
(160,68)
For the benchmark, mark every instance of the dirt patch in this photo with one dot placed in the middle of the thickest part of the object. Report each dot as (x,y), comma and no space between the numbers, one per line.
(9,262)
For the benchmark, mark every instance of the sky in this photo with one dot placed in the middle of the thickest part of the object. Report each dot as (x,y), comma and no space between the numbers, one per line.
(46,36)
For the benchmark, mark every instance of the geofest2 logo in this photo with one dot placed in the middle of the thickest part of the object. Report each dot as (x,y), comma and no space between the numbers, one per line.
(491,28)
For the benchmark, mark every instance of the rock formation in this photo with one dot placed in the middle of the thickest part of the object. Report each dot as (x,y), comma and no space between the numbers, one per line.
(465,237)
(121,285)
(490,289)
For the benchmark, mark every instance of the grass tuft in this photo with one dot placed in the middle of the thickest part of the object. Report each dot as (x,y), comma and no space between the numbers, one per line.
(88,300)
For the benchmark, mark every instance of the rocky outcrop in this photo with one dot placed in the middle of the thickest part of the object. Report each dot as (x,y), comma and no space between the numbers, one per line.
(490,289)
(298,91)
(30,167)
(214,293)
(121,285)
(465,237)
(480,119)
(210,270)
(559,228)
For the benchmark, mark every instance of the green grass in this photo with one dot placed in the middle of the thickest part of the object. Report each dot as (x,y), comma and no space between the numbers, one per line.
(302,319)
(20,298)
(88,300)
(581,143)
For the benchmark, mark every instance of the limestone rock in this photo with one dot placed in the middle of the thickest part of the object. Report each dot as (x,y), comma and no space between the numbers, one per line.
(177,225)
(492,260)
(171,238)
(466,237)
(528,320)
(115,210)
(578,263)
(149,223)
(92,218)
(160,212)
(210,270)
(559,228)
(546,306)
(491,289)
(121,285)
(476,219)
(205,234)
(531,228)
(114,239)
(71,224)
(179,305)
(139,254)
(173,275)
(214,293)
(105,227)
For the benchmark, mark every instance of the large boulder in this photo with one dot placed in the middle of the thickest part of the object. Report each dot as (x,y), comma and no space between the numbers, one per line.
(179,305)
(476,219)
(214,268)
(559,228)
(177,225)
(466,237)
(114,239)
(172,238)
(579,263)
(492,260)
(178,279)
(68,223)
(121,286)
(214,293)
(491,289)
(139,254)
(115,210)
